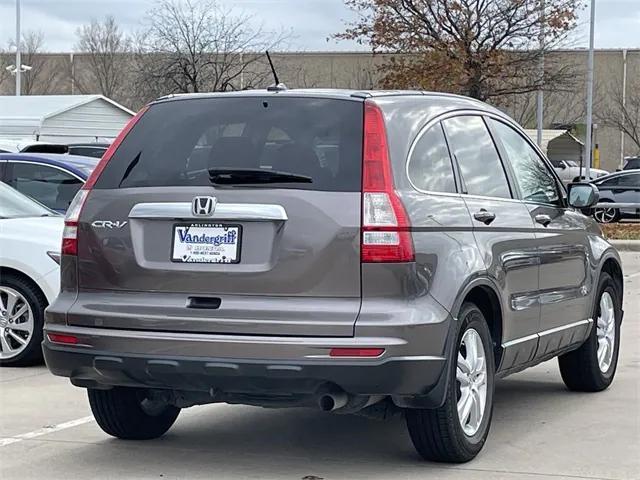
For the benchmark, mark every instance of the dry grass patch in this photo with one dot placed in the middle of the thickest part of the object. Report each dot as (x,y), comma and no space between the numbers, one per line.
(622,231)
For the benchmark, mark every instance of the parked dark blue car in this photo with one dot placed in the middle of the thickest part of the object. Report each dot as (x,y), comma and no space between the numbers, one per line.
(52,180)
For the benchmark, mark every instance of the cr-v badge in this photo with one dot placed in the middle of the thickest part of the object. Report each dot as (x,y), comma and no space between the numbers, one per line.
(108,224)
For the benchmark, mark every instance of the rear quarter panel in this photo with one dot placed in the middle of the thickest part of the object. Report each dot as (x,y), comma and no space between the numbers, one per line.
(447,258)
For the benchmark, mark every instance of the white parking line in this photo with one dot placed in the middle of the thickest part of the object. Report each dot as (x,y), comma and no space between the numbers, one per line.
(44,431)
(633,275)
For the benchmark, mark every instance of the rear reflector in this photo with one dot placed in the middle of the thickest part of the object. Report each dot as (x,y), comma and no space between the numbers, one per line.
(385,223)
(60,338)
(356,352)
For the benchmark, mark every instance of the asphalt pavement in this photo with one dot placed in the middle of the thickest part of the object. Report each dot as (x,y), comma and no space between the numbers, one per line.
(540,430)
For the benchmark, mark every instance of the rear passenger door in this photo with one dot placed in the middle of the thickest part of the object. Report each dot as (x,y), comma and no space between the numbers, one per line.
(627,190)
(503,231)
(441,224)
(561,240)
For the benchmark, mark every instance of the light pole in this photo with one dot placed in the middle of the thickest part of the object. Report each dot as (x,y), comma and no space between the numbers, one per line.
(587,142)
(18,70)
(540,94)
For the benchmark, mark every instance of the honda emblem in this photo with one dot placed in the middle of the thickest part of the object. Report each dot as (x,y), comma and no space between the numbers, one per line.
(203,206)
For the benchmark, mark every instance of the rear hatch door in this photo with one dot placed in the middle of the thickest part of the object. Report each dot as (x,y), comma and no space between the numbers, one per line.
(236,214)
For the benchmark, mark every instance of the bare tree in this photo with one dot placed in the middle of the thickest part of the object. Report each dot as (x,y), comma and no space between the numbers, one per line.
(105,47)
(561,107)
(521,106)
(480,48)
(363,76)
(43,76)
(196,45)
(4,63)
(623,113)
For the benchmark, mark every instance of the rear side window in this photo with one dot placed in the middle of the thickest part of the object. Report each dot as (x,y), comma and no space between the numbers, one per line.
(430,164)
(632,164)
(632,180)
(176,143)
(610,182)
(87,151)
(48,185)
(480,166)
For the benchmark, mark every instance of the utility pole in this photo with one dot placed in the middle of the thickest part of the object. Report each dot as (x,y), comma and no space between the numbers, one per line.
(587,142)
(540,93)
(18,59)
(624,103)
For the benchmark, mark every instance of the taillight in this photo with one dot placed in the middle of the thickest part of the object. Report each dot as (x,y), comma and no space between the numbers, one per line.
(70,232)
(385,224)
(88,185)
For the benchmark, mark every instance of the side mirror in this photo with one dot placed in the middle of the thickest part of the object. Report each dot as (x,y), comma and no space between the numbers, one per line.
(563,166)
(583,195)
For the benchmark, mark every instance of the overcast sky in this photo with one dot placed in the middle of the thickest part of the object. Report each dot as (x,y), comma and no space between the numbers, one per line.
(309,21)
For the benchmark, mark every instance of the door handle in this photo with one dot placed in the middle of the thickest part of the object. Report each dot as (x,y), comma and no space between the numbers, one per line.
(543,219)
(484,216)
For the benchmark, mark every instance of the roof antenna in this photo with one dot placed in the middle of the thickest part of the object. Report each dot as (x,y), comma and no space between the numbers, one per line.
(276,87)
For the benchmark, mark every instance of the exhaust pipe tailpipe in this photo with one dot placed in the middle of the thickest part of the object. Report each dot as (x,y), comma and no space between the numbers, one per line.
(332,401)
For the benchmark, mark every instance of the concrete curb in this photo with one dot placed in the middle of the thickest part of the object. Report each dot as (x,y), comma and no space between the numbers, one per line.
(626,245)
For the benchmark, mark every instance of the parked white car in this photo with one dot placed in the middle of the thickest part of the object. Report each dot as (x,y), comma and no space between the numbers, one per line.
(15,145)
(30,237)
(569,171)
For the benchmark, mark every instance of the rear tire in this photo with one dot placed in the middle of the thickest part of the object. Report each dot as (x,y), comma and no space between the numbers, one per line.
(606,215)
(438,434)
(581,369)
(120,412)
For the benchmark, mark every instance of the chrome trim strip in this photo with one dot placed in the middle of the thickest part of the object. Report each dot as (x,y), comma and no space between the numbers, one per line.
(528,338)
(39,164)
(565,327)
(253,212)
(481,113)
(535,336)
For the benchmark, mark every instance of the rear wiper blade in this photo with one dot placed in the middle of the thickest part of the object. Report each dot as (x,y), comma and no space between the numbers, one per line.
(254,175)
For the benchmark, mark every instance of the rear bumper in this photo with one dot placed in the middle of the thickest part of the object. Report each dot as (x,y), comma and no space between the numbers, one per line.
(237,364)
(104,369)
(414,333)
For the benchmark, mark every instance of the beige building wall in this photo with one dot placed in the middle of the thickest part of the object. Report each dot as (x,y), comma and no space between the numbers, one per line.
(68,74)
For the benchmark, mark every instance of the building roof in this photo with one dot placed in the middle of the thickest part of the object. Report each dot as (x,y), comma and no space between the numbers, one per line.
(40,107)
(548,135)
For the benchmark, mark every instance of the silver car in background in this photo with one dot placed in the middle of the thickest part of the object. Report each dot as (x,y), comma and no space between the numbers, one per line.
(619,187)
(570,171)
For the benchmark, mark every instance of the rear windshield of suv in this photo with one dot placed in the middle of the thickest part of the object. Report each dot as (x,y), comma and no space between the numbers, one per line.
(176,143)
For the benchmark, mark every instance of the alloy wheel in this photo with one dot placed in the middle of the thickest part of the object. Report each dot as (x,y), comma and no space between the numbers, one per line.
(16,322)
(605,215)
(606,332)
(471,378)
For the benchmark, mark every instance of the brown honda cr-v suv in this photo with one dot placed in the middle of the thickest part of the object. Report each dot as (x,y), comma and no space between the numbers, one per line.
(356,252)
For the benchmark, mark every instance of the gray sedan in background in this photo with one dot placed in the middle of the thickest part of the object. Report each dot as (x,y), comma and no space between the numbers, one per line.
(618,187)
